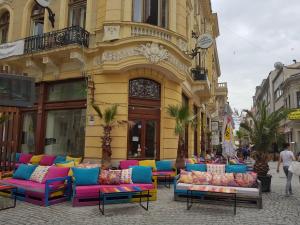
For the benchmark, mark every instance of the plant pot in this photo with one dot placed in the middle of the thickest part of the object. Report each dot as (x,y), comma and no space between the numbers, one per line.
(265,182)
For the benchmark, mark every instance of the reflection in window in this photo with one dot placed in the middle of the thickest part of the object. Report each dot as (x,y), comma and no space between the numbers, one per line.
(4,26)
(77,13)
(28,132)
(37,20)
(135,134)
(65,132)
(154,12)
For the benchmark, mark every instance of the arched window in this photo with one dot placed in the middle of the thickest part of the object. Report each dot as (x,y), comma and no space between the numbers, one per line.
(155,12)
(37,20)
(77,13)
(4,26)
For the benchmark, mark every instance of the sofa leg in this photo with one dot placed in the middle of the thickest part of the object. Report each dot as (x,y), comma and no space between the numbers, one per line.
(259,203)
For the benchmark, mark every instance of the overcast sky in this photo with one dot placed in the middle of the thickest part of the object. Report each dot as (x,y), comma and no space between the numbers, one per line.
(254,34)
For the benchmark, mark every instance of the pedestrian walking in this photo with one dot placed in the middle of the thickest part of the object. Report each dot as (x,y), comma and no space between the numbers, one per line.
(286,158)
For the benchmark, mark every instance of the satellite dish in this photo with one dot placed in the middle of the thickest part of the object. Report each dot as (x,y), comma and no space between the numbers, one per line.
(43,3)
(278,65)
(204,41)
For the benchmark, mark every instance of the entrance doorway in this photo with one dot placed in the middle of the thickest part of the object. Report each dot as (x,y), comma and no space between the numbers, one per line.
(144,112)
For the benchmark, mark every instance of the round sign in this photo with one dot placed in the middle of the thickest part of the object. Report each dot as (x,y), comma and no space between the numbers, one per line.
(205,41)
(43,3)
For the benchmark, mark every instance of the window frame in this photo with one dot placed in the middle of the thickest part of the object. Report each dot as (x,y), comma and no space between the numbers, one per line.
(36,17)
(4,27)
(298,99)
(73,5)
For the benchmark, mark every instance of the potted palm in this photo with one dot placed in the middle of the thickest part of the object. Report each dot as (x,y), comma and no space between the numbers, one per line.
(182,117)
(263,134)
(109,119)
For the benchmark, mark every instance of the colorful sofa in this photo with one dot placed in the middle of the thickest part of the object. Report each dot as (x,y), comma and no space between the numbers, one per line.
(86,192)
(246,184)
(41,185)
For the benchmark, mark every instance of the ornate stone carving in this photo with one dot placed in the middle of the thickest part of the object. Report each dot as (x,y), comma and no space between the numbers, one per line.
(153,52)
(144,88)
(111,33)
(182,45)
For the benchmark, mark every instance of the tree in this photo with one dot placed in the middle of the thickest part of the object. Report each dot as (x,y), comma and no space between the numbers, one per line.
(109,119)
(239,134)
(263,134)
(182,117)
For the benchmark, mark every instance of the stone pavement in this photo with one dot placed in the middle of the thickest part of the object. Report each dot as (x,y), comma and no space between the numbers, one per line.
(277,210)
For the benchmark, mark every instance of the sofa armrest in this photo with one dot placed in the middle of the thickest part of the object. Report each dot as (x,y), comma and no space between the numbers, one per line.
(50,181)
(259,187)
(175,181)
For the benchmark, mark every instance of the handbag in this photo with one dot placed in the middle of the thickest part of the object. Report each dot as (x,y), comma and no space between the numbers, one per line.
(295,168)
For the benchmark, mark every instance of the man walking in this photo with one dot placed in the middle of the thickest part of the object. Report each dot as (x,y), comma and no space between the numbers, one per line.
(286,157)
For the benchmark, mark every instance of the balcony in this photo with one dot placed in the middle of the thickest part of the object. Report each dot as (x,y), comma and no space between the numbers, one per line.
(222,89)
(201,84)
(57,39)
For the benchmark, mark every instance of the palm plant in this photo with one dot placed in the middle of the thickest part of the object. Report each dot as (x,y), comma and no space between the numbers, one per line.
(109,119)
(263,134)
(182,117)
(239,134)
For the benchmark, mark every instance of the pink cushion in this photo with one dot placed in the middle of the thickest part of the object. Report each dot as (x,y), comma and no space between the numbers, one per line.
(125,164)
(55,172)
(47,160)
(24,158)
(171,173)
(93,190)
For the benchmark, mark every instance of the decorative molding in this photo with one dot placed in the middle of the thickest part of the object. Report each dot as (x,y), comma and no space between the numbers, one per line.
(111,33)
(77,56)
(182,45)
(144,88)
(153,52)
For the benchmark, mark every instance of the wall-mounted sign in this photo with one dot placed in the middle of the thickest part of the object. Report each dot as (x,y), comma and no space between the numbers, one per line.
(12,49)
(44,3)
(295,115)
(204,41)
(214,125)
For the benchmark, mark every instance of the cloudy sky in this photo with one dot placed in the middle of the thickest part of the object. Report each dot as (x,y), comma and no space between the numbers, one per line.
(254,34)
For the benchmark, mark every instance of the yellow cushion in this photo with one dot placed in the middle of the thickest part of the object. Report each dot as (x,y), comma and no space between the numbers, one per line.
(148,163)
(76,160)
(67,165)
(36,159)
(190,161)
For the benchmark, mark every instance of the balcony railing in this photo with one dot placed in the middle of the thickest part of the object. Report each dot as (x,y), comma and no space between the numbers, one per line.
(199,74)
(222,85)
(56,39)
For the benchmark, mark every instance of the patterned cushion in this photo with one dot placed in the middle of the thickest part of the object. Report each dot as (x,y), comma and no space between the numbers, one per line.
(216,168)
(88,165)
(201,177)
(126,176)
(246,179)
(185,177)
(110,176)
(39,174)
(226,179)
(190,161)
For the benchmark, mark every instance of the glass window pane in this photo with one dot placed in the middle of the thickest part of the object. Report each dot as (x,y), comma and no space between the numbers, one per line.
(150,139)
(137,10)
(135,134)
(164,13)
(65,132)
(67,91)
(28,132)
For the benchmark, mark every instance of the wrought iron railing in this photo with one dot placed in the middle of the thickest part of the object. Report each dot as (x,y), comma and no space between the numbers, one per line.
(199,74)
(56,39)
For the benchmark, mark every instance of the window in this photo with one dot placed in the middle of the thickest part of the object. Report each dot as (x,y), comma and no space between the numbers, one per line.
(4,26)
(37,20)
(77,13)
(153,12)
(28,132)
(278,93)
(298,99)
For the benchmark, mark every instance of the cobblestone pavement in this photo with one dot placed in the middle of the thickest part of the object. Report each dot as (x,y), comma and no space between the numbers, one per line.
(277,210)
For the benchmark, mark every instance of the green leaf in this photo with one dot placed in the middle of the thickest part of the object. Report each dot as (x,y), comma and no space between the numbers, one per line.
(98,111)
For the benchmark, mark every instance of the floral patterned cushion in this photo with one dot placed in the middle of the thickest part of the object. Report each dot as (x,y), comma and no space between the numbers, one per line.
(226,179)
(110,176)
(185,177)
(245,179)
(216,168)
(88,165)
(201,177)
(126,176)
(39,173)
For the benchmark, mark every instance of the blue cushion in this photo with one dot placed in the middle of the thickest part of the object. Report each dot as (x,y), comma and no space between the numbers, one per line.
(236,169)
(196,167)
(60,159)
(17,156)
(86,176)
(24,171)
(164,165)
(141,174)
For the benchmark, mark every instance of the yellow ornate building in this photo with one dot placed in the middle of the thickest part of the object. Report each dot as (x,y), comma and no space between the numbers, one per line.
(133,53)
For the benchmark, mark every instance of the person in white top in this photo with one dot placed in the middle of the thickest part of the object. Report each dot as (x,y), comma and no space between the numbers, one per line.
(286,157)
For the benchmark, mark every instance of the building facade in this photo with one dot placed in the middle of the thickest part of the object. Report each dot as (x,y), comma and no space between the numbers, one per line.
(133,53)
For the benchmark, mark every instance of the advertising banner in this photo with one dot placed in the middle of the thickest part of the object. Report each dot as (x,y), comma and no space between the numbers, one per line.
(12,49)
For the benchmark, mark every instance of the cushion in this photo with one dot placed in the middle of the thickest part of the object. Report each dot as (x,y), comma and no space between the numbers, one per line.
(126,176)
(55,172)
(60,159)
(35,159)
(245,179)
(190,161)
(86,176)
(24,172)
(88,165)
(39,173)
(201,177)
(77,160)
(47,160)
(164,165)
(142,174)
(185,177)
(216,168)
(236,168)
(24,158)
(196,167)
(150,163)
(110,177)
(226,179)
(125,164)
(17,156)
(67,164)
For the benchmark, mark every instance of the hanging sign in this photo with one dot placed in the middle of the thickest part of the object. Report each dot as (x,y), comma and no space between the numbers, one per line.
(204,41)
(43,3)
(295,115)
(12,49)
